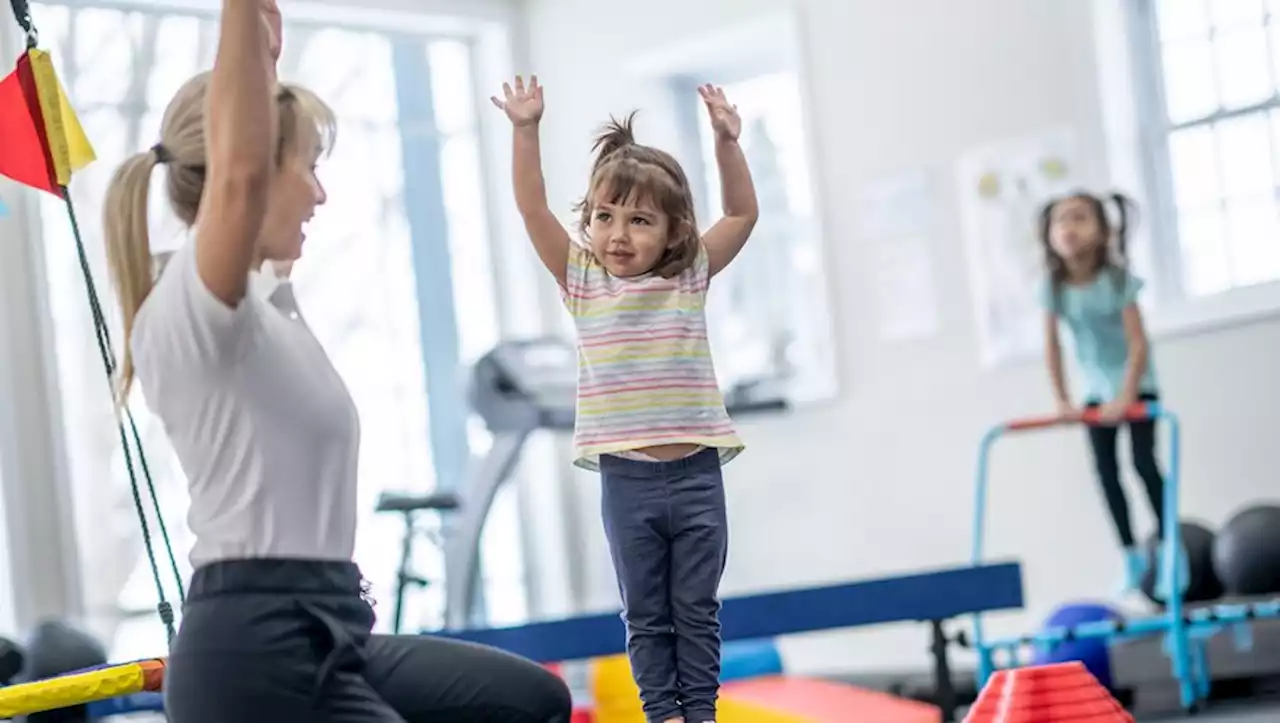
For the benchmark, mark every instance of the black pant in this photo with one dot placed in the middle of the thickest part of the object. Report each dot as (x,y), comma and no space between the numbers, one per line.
(265,641)
(668,536)
(1142,442)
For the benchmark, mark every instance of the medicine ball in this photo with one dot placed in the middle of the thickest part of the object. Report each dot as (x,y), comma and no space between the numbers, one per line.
(1199,583)
(1094,653)
(56,648)
(1246,554)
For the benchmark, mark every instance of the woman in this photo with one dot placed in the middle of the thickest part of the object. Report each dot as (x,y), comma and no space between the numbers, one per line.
(275,627)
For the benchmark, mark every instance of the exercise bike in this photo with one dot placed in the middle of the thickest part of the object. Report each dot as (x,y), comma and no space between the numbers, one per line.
(410,505)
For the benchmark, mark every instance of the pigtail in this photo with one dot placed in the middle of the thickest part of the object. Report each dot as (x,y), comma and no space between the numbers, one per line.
(1126,209)
(1055,268)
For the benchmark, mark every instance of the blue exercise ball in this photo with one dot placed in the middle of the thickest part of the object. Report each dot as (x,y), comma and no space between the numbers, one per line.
(1094,653)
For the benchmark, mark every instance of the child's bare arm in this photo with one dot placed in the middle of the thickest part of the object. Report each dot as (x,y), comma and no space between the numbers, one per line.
(738,194)
(524,107)
(1053,358)
(1136,365)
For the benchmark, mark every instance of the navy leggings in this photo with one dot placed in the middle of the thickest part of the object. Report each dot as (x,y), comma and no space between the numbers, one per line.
(1142,444)
(669,539)
(265,641)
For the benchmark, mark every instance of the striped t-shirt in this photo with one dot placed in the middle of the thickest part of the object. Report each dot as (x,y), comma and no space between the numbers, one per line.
(645,375)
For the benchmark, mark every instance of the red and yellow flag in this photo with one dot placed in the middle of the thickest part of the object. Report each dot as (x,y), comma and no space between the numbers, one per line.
(41,140)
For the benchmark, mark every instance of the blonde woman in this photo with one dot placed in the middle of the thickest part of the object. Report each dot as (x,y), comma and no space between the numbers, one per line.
(275,627)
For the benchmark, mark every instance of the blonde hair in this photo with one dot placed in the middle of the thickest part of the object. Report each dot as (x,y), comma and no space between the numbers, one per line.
(627,170)
(182,149)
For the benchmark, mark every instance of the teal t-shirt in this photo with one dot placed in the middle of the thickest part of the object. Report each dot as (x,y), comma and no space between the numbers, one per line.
(1093,313)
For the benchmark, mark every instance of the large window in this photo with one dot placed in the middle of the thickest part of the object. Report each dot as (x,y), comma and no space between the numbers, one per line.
(396,257)
(1215,67)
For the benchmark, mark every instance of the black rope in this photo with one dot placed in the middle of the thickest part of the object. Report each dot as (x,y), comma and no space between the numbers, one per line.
(103,335)
(22,12)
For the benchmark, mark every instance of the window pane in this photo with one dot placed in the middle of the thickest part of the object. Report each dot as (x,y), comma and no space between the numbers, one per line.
(365,81)
(104,59)
(1243,70)
(190,46)
(1194,162)
(1275,138)
(473,284)
(451,85)
(1182,18)
(1188,80)
(1273,30)
(1235,12)
(1243,146)
(1206,266)
(1255,240)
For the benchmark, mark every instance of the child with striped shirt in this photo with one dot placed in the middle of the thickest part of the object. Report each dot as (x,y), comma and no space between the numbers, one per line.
(650,415)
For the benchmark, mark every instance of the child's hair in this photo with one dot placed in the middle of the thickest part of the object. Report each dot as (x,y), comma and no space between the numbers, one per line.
(1107,256)
(182,149)
(630,171)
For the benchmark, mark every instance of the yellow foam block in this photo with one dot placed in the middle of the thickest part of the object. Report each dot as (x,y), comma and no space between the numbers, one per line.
(617,699)
(612,682)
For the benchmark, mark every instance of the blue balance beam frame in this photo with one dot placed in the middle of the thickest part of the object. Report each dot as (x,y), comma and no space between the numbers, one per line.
(931,597)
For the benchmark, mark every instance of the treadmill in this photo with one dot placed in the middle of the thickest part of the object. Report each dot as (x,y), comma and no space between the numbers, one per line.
(517,388)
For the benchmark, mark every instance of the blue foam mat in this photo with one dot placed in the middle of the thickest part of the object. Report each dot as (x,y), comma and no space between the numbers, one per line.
(938,595)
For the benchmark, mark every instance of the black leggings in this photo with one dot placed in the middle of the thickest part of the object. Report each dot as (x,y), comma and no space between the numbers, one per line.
(266,641)
(1142,442)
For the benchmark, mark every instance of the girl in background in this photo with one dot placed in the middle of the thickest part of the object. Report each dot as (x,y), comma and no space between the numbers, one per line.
(1092,293)
(650,415)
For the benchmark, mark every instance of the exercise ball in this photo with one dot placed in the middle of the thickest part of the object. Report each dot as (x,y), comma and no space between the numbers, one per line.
(1199,582)
(12,661)
(1246,554)
(1092,652)
(54,648)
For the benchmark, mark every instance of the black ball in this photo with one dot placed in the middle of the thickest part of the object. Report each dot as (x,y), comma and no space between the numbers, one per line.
(1202,583)
(12,661)
(56,648)
(1246,554)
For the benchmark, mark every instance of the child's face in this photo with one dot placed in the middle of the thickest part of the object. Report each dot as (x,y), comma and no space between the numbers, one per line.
(1074,229)
(628,237)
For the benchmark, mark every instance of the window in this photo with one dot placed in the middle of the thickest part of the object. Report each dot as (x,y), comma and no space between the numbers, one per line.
(396,256)
(1215,69)
(782,335)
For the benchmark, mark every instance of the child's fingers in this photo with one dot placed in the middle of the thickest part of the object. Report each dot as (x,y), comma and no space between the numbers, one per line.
(498,103)
(506,90)
(519,84)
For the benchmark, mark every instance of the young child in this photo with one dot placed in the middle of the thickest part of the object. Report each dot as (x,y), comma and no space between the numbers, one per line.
(650,416)
(1090,291)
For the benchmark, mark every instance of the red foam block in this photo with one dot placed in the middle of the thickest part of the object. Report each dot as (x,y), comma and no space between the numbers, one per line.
(823,701)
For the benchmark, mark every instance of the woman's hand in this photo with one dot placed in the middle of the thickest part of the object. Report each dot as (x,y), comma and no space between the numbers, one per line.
(522,105)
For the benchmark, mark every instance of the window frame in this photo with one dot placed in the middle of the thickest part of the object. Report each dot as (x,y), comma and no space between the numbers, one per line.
(1175,311)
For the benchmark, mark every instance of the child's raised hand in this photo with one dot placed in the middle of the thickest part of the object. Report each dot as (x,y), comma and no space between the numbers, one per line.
(724,116)
(522,105)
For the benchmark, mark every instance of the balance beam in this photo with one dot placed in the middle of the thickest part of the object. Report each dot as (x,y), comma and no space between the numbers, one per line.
(926,597)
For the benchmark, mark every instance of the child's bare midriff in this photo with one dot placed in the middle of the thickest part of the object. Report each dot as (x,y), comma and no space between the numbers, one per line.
(668,452)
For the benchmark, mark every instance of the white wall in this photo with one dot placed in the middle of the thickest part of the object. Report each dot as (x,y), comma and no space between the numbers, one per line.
(881,480)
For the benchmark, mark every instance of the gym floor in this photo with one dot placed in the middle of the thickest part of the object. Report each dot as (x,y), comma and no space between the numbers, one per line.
(1228,714)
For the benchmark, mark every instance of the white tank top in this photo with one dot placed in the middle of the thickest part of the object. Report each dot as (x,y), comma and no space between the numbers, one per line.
(262,424)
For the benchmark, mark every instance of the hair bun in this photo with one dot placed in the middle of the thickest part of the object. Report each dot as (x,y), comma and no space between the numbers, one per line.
(614,136)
